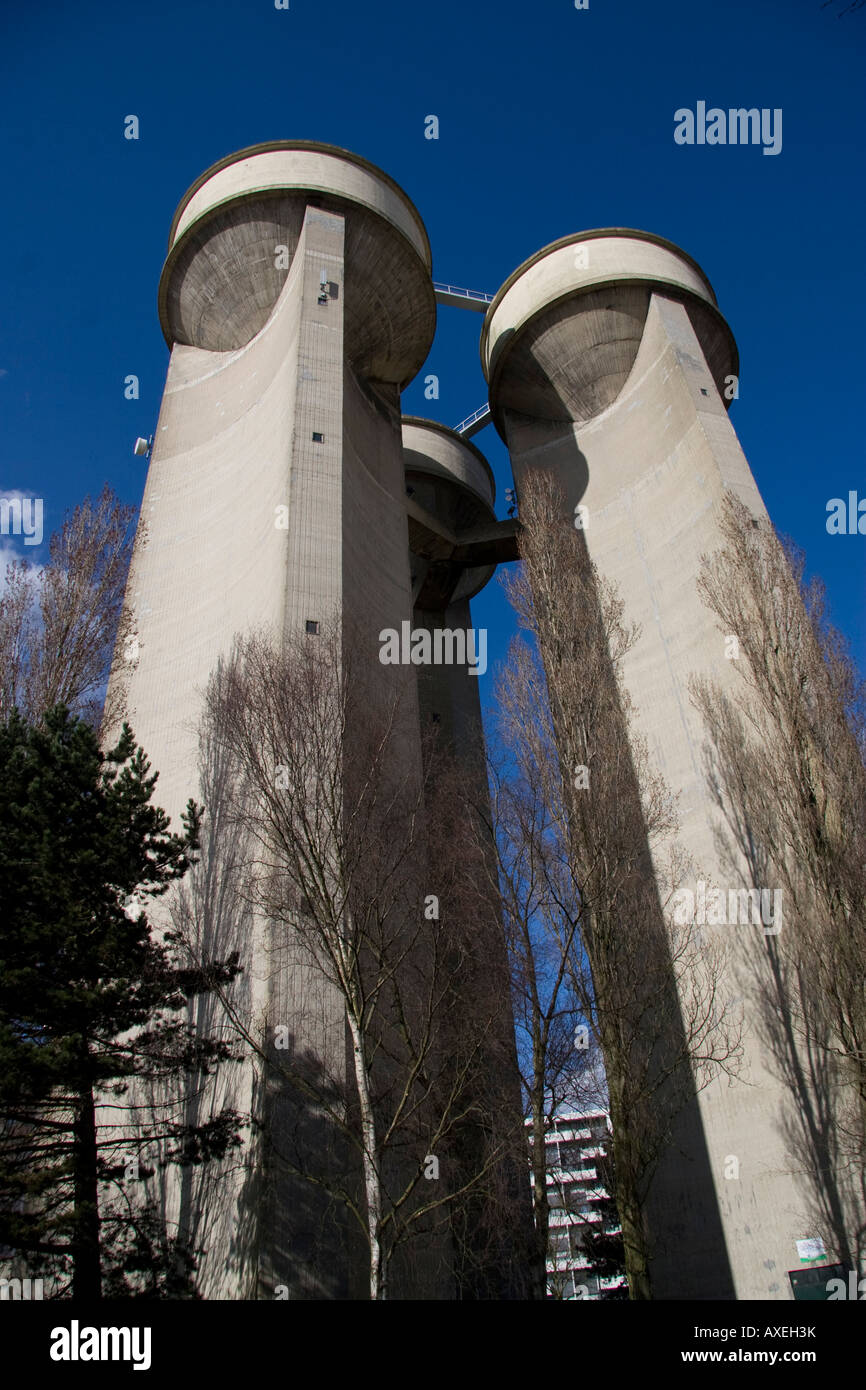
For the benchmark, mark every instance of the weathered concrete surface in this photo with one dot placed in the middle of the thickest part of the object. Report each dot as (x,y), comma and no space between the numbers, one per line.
(566,327)
(225,270)
(311,167)
(453,485)
(617,391)
(451,494)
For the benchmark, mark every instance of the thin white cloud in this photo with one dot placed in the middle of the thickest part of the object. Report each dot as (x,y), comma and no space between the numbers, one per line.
(8,554)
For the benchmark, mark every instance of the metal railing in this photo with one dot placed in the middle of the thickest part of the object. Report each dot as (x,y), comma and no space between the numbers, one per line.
(461,298)
(474,422)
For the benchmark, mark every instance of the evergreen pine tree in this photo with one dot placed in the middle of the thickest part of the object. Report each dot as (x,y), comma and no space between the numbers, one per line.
(91,1008)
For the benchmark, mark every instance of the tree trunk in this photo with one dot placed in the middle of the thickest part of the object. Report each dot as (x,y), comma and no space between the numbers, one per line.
(629,1169)
(372,1181)
(636,1268)
(86,1269)
(541,1206)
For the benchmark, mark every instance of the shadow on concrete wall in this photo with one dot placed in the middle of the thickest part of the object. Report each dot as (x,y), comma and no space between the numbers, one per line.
(687,1248)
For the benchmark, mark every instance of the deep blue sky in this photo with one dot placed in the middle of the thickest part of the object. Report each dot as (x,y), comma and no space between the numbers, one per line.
(552,120)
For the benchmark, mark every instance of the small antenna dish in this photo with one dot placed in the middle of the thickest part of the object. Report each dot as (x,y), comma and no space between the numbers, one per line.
(142,447)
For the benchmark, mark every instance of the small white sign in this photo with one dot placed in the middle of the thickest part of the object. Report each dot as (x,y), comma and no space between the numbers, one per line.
(811,1249)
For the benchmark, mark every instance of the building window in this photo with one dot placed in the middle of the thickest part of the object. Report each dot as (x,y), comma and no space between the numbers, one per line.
(577,1237)
(313,626)
(318,438)
(585,1285)
(569,1153)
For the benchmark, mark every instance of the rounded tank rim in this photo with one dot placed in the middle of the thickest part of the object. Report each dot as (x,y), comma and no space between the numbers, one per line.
(592,234)
(316,146)
(422,422)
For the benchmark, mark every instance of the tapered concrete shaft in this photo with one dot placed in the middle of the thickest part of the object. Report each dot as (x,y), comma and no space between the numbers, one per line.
(610,365)
(297,300)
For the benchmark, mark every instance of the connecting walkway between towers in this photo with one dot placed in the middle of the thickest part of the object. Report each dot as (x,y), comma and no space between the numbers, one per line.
(462,299)
(480,302)
(474,422)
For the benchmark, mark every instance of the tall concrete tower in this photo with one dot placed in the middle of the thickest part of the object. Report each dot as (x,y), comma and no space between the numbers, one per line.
(610,365)
(297,301)
(455,544)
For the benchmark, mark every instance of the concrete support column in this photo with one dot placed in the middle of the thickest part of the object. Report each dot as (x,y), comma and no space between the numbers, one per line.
(314,569)
(608,360)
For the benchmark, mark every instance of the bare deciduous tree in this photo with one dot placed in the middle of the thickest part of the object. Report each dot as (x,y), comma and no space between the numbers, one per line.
(63,625)
(369,959)
(589,863)
(785,762)
(540,939)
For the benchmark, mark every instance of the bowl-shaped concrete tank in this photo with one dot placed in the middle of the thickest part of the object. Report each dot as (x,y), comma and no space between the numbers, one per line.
(562,334)
(236,230)
(453,483)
